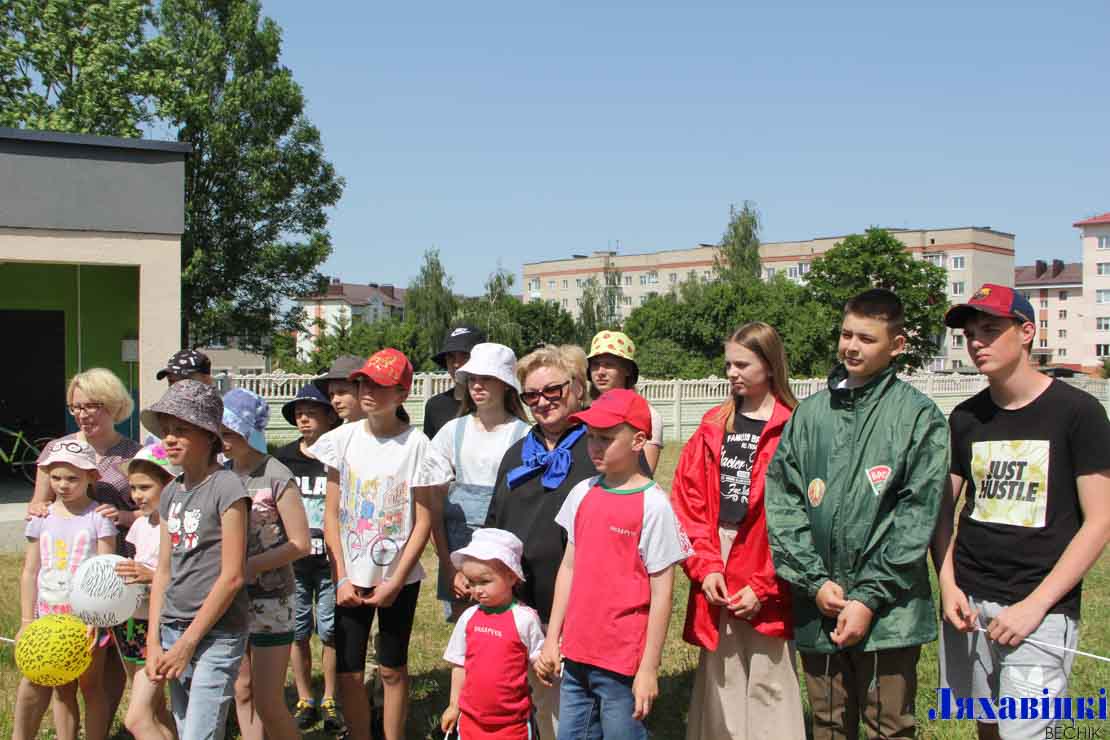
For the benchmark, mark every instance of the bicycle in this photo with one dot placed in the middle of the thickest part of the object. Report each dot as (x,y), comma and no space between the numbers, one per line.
(24,454)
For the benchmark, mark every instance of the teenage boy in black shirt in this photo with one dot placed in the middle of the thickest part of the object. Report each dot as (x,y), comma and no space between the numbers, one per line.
(1032,457)
(455,351)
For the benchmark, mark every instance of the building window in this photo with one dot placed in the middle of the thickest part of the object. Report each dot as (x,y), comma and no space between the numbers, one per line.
(935,259)
(643,299)
(1102,350)
(1027,295)
(1063,314)
(578,302)
(803,267)
(551,285)
(1043,344)
(1062,333)
(534,284)
(1044,323)
(564,303)
(957,341)
(1044,303)
(692,275)
(674,278)
(792,272)
(1102,296)
(1102,323)
(628,280)
(1061,352)
(936,364)
(578,282)
(1104,268)
(769,272)
(626,300)
(957,263)
(958,288)
(566,283)
(1063,295)
(649,278)
(956,364)
(1104,242)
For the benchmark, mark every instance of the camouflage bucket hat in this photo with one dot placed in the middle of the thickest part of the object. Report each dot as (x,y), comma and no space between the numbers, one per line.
(188,400)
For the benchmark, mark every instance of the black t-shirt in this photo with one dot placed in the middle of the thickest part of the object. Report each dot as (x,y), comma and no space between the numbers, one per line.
(528,511)
(440,409)
(312,478)
(1022,507)
(737,459)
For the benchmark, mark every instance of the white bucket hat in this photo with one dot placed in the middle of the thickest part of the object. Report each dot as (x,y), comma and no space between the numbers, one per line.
(493,544)
(492,359)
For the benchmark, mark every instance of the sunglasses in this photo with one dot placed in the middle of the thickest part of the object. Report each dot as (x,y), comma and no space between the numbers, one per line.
(553,392)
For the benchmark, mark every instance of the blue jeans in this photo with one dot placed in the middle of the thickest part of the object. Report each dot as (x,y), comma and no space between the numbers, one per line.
(312,577)
(202,696)
(593,699)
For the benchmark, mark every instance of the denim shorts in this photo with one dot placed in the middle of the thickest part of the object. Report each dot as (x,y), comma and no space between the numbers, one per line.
(314,590)
(202,695)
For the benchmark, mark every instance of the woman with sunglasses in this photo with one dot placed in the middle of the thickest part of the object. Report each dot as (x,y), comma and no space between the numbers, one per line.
(97,401)
(535,477)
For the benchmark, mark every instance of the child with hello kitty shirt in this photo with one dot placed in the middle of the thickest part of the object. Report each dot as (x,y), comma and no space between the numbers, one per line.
(57,544)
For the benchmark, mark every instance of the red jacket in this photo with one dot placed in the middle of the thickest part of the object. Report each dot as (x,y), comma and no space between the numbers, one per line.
(696,498)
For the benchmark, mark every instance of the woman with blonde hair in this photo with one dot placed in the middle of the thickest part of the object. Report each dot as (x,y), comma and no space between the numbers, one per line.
(738,611)
(97,400)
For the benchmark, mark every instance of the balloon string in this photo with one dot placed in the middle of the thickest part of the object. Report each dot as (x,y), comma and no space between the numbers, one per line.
(7,639)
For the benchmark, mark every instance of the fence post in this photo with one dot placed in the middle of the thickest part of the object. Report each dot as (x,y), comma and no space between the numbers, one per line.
(677,405)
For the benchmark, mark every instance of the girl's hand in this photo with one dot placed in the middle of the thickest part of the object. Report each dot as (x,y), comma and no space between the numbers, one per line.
(713,586)
(384,594)
(153,658)
(450,718)
(132,572)
(37,509)
(174,661)
(109,512)
(547,665)
(460,585)
(346,595)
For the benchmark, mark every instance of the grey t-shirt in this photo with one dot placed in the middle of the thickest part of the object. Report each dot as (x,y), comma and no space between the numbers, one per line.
(266,485)
(193,519)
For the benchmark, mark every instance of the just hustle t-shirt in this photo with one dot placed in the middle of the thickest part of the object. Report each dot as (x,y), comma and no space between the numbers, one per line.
(1021,503)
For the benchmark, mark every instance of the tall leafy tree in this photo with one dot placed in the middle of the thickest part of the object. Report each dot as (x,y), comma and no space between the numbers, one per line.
(429,303)
(738,257)
(542,322)
(876,259)
(495,311)
(257,185)
(75,65)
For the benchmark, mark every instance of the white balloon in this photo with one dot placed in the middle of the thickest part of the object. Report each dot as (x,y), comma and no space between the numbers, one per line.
(99,596)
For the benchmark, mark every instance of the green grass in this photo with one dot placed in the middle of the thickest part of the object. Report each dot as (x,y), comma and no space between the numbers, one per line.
(431,679)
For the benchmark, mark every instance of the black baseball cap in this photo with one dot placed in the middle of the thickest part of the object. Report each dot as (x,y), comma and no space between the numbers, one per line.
(461,338)
(186,362)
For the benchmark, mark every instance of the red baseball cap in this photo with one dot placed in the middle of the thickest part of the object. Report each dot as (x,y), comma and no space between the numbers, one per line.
(386,367)
(618,406)
(996,300)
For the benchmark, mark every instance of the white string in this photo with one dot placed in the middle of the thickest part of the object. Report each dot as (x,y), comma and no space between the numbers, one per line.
(7,639)
(1050,646)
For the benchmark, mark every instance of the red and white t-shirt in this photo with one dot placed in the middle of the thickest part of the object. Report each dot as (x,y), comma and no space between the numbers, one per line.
(495,648)
(619,538)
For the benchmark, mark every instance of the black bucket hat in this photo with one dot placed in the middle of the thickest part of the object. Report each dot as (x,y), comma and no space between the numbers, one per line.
(461,338)
(308,392)
(341,369)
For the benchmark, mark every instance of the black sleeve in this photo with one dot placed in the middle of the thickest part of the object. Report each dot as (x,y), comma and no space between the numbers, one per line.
(430,427)
(956,427)
(1089,437)
(501,487)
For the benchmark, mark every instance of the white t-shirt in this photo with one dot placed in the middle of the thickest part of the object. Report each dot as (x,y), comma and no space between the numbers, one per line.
(656,428)
(147,539)
(662,540)
(376,506)
(528,628)
(467,455)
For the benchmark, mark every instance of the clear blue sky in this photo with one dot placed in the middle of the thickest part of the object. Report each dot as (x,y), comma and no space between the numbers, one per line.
(506,132)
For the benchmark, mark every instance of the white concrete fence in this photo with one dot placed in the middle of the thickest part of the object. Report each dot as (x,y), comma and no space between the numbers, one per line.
(682,403)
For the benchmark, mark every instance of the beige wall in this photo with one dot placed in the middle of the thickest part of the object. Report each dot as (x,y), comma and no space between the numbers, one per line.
(1092,256)
(158,258)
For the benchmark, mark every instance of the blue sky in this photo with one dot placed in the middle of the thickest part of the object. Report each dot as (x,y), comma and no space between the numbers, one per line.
(510,132)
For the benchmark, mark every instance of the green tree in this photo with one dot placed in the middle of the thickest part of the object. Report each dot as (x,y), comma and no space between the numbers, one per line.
(430,305)
(876,259)
(542,322)
(75,65)
(257,185)
(738,257)
(495,311)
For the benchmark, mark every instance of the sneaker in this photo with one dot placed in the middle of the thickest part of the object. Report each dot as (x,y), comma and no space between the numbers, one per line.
(333,720)
(306,713)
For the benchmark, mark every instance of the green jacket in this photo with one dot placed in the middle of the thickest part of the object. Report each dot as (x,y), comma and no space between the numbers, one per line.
(852,495)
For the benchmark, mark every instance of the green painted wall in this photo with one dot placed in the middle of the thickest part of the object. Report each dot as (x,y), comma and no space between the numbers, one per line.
(109,309)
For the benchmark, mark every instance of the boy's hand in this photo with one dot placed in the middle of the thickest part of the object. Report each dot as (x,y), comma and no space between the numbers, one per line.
(173,662)
(713,586)
(957,609)
(852,624)
(1016,622)
(153,658)
(547,665)
(450,718)
(645,689)
(830,598)
(743,604)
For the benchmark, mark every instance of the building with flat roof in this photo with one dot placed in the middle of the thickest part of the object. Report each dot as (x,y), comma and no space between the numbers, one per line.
(346,302)
(90,267)
(1056,291)
(971,255)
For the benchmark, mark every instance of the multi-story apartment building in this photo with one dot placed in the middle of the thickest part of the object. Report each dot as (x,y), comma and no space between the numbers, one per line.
(1056,291)
(1094,238)
(347,301)
(971,255)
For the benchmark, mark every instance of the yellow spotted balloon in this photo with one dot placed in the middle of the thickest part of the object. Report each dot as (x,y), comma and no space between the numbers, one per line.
(53,650)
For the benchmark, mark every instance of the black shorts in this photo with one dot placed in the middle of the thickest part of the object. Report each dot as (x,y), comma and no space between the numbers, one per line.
(352,632)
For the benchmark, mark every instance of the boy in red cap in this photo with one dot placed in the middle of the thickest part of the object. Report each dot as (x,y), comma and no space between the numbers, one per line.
(1032,457)
(609,620)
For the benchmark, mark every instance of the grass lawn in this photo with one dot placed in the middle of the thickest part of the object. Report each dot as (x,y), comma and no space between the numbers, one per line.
(431,679)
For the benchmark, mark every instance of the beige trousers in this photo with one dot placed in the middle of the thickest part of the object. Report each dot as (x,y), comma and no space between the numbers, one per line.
(546,701)
(747,687)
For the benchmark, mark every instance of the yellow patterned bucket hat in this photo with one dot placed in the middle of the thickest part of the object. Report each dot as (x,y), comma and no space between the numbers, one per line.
(617,344)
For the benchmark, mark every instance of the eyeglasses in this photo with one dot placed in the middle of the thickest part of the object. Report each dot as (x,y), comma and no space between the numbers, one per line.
(553,392)
(85,408)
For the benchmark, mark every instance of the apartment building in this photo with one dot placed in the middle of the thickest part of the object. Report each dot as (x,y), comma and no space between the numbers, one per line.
(354,301)
(971,255)
(1094,236)
(1056,291)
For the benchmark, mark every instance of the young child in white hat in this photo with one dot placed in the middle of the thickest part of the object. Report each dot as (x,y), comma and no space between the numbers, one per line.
(493,644)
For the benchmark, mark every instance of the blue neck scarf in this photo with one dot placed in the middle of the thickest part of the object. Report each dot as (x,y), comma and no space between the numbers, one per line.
(555,463)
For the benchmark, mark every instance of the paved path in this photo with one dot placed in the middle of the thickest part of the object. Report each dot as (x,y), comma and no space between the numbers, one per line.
(14,495)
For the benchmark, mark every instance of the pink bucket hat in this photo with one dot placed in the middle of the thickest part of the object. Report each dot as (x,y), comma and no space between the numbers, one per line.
(72,451)
(493,544)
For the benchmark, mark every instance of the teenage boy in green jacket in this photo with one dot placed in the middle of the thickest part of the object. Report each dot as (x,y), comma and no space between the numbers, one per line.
(852,498)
